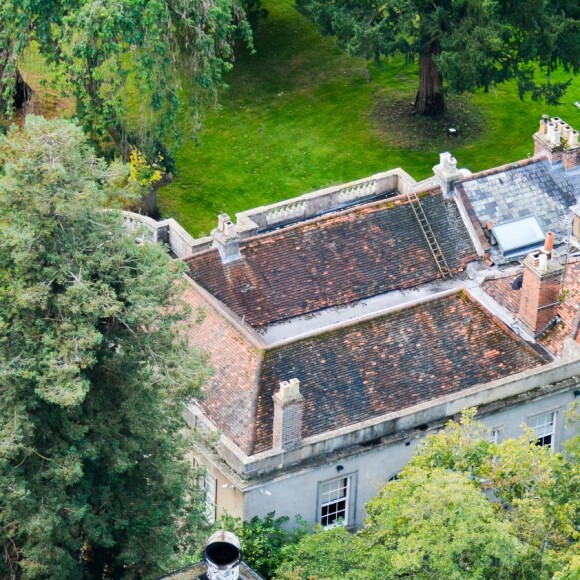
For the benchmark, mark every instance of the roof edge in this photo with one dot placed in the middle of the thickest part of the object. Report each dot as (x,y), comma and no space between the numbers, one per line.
(507,167)
(247,332)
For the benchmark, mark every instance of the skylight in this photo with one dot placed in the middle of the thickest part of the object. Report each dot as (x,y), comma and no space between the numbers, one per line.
(519,237)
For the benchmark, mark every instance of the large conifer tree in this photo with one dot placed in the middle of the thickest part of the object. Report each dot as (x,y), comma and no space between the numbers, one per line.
(467,43)
(94,372)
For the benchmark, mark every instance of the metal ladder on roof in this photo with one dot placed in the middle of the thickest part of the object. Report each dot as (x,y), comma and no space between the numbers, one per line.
(429,234)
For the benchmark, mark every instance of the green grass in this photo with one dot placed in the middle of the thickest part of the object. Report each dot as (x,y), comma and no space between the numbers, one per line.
(298,115)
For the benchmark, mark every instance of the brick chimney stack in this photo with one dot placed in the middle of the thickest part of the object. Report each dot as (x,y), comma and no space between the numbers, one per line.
(559,141)
(226,239)
(541,287)
(288,411)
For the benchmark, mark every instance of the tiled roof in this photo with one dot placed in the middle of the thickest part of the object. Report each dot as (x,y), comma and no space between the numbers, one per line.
(501,291)
(529,189)
(389,363)
(230,392)
(334,260)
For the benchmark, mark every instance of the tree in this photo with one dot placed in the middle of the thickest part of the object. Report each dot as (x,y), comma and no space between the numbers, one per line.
(463,508)
(94,372)
(469,43)
(108,52)
(428,524)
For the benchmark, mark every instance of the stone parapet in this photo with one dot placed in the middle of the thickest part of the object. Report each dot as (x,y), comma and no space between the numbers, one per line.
(168,231)
(252,222)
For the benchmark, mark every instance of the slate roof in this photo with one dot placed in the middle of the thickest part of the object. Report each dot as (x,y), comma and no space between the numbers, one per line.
(501,291)
(334,260)
(529,189)
(389,363)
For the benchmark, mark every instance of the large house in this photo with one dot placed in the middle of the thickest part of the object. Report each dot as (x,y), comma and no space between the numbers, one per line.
(346,324)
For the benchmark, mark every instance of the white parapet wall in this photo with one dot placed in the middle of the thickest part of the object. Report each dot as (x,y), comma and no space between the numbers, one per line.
(168,231)
(254,221)
(309,205)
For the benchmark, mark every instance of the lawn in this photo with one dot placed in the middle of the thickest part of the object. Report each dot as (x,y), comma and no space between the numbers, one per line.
(300,114)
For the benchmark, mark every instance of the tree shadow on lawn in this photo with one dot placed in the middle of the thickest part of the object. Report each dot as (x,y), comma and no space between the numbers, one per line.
(396,123)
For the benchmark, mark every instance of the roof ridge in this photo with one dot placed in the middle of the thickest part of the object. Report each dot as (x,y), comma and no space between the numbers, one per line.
(507,167)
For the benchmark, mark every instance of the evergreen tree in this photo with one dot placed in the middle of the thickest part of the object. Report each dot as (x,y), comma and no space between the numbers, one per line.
(469,43)
(94,372)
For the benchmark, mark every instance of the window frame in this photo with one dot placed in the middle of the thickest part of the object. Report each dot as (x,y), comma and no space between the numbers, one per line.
(539,439)
(349,500)
(207,484)
(495,434)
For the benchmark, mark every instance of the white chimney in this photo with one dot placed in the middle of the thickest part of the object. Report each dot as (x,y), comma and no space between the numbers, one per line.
(446,172)
(226,239)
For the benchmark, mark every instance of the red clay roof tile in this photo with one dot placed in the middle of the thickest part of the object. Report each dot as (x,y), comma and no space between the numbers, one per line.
(333,261)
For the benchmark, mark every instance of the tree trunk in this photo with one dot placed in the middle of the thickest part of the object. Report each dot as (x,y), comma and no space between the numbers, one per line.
(148,204)
(429,100)
(23,92)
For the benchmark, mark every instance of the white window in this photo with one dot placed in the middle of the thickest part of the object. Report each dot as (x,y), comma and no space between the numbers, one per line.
(207,484)
(545,428)
(494,435)
(334,502)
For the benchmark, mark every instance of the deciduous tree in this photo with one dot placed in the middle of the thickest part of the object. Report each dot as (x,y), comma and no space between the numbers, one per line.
(466,43)
(463,508)
(94,372)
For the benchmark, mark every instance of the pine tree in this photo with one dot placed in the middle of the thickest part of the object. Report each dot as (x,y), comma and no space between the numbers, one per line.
(467,43)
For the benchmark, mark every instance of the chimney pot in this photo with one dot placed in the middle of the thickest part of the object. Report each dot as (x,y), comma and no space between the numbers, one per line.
(565,131)
(555,135)
(543,263)
(223,555)
(223,218)
(229,229)
(544,124)
(573,139)
(549,243)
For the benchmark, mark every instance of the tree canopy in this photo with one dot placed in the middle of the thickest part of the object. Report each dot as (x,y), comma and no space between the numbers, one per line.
(466,43)
(463,508)
(106,53)
(94,371)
